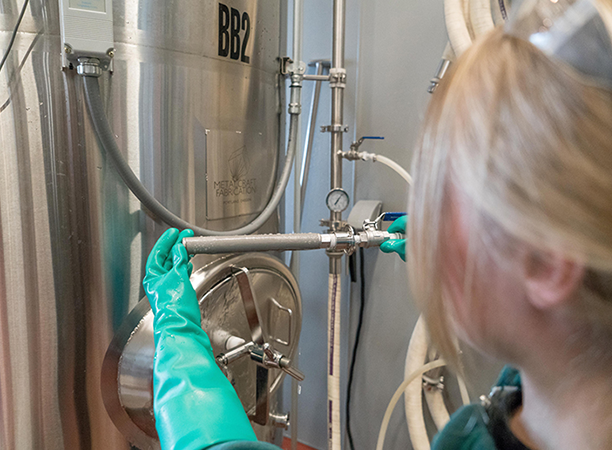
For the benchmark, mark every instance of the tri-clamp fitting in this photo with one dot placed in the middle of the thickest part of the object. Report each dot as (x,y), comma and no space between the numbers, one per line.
(295,104)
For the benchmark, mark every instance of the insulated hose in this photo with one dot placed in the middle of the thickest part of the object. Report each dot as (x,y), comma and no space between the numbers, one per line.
(413,395)
(101,126)
(457,26)
(481,17)
(334,434)
(398,393)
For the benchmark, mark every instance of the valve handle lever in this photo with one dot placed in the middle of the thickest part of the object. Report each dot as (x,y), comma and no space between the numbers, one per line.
(250,305)
(285,365)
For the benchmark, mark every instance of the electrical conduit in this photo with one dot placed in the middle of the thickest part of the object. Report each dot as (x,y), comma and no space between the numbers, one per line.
(106,138)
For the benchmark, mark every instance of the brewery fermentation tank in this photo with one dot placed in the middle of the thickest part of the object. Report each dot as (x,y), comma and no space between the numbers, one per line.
(194,101)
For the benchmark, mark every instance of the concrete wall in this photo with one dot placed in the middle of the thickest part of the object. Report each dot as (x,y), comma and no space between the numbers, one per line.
(393,49)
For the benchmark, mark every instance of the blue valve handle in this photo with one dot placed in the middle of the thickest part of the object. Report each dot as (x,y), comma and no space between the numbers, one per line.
(373,137)
(392,216)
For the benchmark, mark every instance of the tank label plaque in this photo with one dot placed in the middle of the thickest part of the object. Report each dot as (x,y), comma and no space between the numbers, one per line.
(234,33)
(89,5)
(232,174)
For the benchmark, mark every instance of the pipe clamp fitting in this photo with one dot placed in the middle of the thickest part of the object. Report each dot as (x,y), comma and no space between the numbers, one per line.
(337,78)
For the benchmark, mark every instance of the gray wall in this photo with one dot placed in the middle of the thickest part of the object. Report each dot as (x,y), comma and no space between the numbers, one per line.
(393,49)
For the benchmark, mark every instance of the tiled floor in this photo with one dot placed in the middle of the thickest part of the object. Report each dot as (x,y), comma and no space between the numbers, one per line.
(287,445)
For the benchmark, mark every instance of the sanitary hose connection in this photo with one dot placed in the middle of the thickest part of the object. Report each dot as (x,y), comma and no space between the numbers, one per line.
(346,241)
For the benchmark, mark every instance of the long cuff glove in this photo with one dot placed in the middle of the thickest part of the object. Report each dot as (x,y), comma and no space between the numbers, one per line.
(195,405)
(396,245)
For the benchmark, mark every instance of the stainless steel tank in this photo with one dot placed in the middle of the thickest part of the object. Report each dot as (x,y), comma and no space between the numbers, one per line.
(194,102)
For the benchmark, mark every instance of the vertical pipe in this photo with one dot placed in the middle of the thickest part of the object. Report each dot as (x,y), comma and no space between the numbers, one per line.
(337,101)
(337,83)
(297,191)
(310,133)
(298,9)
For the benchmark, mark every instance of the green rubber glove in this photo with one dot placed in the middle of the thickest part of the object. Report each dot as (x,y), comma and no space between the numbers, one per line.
(195,405)
(396,245)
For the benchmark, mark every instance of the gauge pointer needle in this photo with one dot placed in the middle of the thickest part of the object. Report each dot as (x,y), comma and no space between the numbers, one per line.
(337,201)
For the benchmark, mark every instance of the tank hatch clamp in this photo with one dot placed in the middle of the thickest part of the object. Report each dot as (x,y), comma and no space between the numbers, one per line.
(264,355)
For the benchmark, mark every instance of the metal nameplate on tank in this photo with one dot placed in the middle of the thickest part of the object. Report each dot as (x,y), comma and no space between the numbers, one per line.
(271,315)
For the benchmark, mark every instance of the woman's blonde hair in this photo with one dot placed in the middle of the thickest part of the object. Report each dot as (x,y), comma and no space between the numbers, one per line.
(529,143)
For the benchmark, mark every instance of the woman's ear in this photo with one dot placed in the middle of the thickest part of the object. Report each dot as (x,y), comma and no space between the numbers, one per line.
(551,278)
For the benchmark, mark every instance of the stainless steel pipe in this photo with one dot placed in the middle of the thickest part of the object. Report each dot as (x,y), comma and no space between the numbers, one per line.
(338,241)
(337,84)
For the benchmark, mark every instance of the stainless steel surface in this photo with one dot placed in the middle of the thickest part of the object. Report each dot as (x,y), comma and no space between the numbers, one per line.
(128,365)
(257,243)
(250,304)
(201,130)
(287,367)
(235,354)
(442,69)
(337,101)
(335,241)
(316,77)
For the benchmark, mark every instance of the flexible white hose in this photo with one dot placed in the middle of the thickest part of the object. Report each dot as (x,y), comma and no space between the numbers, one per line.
(398,393)
(395,166)
(456,26)
(480,17)
(465,7)
(413,398)
(333,364)
(465,396)
(437,408)
(449,54)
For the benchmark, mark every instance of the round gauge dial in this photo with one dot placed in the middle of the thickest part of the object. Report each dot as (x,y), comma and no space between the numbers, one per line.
(337,200)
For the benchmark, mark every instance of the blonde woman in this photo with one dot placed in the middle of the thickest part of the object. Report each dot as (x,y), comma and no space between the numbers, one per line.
(510,231)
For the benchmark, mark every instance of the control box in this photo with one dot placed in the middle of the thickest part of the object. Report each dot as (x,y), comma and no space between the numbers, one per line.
(87,30)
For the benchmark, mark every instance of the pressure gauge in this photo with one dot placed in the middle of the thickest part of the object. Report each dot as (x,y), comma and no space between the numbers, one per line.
(337,200)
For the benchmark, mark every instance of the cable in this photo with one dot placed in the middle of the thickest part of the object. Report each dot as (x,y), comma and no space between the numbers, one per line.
(354,357)
(14,35)
(398,393)
(107,141)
